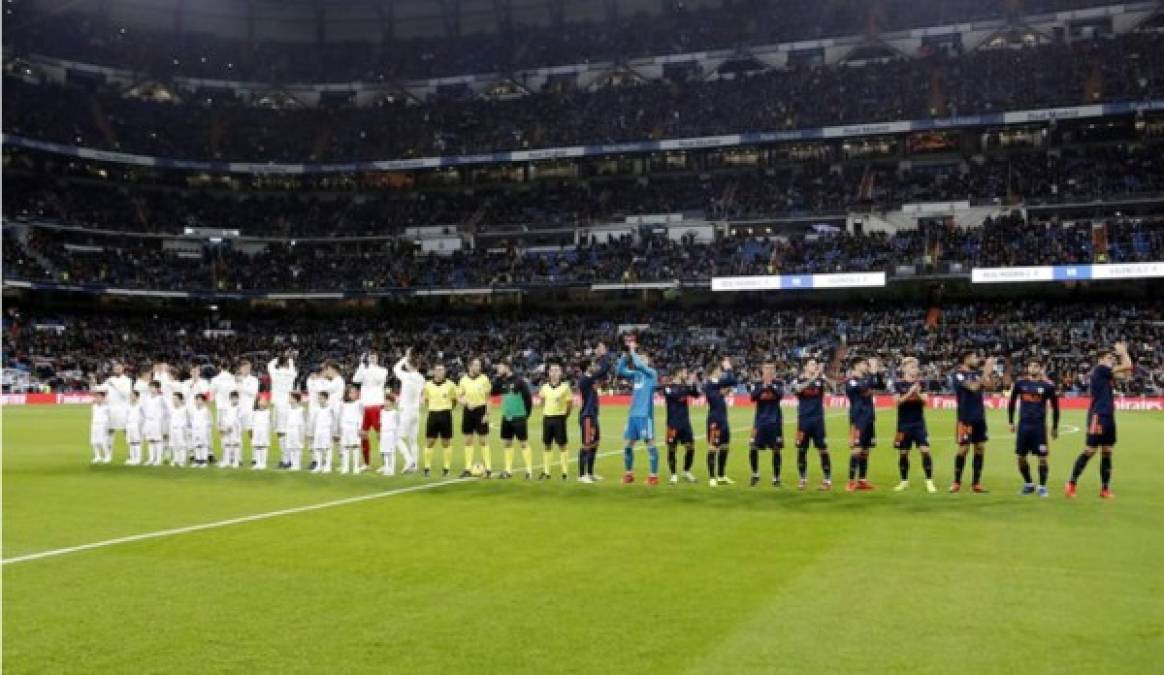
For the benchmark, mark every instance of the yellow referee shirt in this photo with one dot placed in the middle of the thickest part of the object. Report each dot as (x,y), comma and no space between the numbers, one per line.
(555,400)
(475,390)
(441,396)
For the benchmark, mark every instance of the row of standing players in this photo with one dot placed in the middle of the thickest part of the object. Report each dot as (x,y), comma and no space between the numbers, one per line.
(172,419)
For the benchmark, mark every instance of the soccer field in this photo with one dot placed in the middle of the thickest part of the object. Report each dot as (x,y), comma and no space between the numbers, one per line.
(517,576)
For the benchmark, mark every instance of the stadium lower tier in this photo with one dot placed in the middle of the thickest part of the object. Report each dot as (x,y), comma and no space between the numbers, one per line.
(67,351)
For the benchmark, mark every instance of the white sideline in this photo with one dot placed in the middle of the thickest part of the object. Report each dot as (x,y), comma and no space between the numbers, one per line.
(239,520)
(263,516)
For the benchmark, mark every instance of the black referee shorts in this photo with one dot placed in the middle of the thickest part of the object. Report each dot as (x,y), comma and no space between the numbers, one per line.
(516,428)
(475,421)
(554,430)
(439,425)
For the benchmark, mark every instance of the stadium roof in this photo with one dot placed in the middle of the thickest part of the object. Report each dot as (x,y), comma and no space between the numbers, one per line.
(347,20)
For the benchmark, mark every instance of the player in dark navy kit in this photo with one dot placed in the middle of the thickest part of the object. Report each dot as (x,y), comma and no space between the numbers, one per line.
(865,377)
(768,427)
(1101,426)
(719,379)
(1033,393)
(677,393)
(911,424)
(969,383)
(593,370)
(810,389)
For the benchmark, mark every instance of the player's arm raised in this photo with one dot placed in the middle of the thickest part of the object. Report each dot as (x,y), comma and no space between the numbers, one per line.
(1122,369)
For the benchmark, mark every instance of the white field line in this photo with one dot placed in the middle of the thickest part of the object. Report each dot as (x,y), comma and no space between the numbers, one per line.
(281,512)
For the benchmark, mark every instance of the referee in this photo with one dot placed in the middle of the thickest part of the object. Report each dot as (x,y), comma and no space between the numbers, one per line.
(473,391)
(556,402)
(440,397)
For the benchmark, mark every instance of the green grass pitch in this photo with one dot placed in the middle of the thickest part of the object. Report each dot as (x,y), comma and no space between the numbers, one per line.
(533,577)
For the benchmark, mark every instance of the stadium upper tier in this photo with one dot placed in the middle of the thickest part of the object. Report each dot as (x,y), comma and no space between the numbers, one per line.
(64,349)
(810,188)
(376,41)
(212,126)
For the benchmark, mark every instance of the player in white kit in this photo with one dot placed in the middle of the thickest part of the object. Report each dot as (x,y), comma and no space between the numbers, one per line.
(99,436)
(282,372)
(154,422)
(372,377)
(260,434)
(294,428)
(179,429)
(315,384)
(133,427)
(351,417)
(200,431)
(117,387)
(230,433)
(323,427)
(248,392)
(411,391)
(335,399)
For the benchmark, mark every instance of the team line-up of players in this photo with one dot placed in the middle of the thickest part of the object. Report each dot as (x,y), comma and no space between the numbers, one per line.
(172,419)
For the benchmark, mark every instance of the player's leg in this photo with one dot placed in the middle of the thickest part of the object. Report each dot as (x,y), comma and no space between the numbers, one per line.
(826,461)
(628,450)
(652,451)
(725,442)
(563,454)
(547,444)
(802,441)
(902,466)
(712,453)
(447,451)
(927,467)
(962,438)
(754,457)
(689,457)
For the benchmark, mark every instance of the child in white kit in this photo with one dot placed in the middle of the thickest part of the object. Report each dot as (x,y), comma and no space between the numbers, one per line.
(153,425)
(99,429)
(179,430)
(293,426)
(351,419)
(200,425)
(389,434)
(323,426)
(260,433)
(133,428)
(230,433)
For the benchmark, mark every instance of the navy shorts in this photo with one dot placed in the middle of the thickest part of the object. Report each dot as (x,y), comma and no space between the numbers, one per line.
(1101,430)
(971,432)
(591,434)
(768,436)
(718,433)
(681,433)
(910,435)
(862,434)
(811,431)
(1031,440)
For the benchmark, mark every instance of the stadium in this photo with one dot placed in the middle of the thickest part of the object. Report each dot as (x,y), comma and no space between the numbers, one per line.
(583,336)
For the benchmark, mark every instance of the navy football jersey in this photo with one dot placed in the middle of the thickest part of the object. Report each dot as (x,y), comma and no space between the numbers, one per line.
(713,391)
(1102,402)
(677,397)
(909,411)
(970,407)
(767,398)
(860,392)
(811,399)
(1034,395)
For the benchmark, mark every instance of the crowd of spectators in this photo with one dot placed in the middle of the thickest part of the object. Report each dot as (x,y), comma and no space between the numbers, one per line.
(1064,336)
(1071,174)
(677,29)
(127,261)
(1125,67)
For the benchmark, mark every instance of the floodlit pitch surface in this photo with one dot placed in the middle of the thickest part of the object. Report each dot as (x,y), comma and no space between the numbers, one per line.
(518,576)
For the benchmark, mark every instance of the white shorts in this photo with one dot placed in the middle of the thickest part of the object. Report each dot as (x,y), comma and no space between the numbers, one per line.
(117,418)
(133,434)
(244,416)
(280,415)
(178,437)
(98,435)
(152,431)
(199,439)
(321,443)
(231,438)
(409,425)
(349,436)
